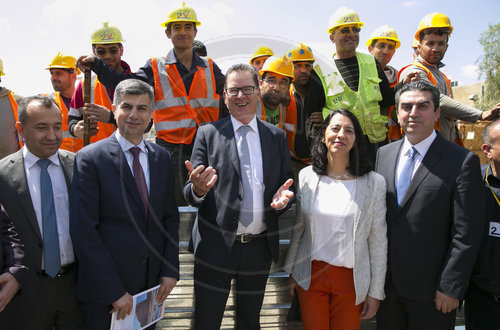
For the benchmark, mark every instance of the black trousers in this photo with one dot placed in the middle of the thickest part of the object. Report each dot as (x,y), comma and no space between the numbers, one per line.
(398,313)
(482,311)
(56,307)
(179,154)
(249,265)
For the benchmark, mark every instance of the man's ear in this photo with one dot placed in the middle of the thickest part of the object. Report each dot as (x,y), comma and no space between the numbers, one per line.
(486,148)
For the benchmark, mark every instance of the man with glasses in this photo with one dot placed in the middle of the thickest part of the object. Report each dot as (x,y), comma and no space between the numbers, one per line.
(277,75)
(240,180)
(358,82)
(432,35)
(107,46)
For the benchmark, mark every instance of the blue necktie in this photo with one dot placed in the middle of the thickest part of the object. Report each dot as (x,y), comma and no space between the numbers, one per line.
(405,176)
(49,223)
(246,212)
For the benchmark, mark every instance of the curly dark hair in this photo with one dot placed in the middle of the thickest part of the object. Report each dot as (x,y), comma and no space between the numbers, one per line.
(359,162)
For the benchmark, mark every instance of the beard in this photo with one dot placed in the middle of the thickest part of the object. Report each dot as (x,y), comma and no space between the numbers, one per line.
(273,98)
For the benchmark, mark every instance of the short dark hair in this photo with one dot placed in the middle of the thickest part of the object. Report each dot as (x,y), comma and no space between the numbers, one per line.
(438,31)
(241,67)
(133,87)
(486,132)
(422,86)
(45,101)
(359,162)
(199,48)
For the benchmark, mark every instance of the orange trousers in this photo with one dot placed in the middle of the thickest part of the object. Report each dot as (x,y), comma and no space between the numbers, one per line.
(329,301)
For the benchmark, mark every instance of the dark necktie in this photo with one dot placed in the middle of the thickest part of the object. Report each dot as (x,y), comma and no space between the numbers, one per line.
(49,222)
(139,178)
(246,212)
(405,176)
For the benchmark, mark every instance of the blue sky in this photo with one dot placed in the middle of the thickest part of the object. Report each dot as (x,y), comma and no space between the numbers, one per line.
(33,32)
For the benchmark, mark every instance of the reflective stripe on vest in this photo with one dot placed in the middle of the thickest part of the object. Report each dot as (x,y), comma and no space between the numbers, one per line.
(364,103)
(177,114)
(261,113)
(68,142)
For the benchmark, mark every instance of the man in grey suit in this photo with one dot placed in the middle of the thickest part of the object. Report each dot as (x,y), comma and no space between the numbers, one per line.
(240,177)
(34,192)
(435,216)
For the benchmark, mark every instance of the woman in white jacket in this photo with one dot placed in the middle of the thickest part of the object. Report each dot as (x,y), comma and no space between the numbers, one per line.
(338,252)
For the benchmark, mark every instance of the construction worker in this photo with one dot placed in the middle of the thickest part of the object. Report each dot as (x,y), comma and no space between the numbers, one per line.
(432,34)
(358,83)
(187,89)
(9,139)
(382,45)
(260,56)
(307,99)
(276,77)
(63,74)
(107,46)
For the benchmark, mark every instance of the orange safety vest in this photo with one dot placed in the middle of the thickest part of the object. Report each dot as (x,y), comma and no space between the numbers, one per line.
(261,113)
(177,114)
(291,126)
(13,104)
(394,131)
(68,142)
(432,79)
(100,96)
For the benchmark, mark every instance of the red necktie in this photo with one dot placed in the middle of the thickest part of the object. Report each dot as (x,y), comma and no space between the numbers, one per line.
(139,178)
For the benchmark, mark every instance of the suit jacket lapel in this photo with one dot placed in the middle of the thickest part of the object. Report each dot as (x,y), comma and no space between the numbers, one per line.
(227,131)
(67,167)
(430,159)
(361,191)
(154,172)
(118,158)
(20,184)
(267,150)
(391,163)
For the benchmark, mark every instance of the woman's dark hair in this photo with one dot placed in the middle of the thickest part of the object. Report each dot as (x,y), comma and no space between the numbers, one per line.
(359,163)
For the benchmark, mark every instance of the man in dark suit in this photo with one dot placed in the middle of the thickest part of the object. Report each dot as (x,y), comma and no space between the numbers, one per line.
(11,260)
(434,217)
(240,177)
(34,192)
(124,221)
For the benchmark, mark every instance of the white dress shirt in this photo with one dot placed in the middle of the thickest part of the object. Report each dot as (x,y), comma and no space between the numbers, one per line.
(253,140)
(126,145)
(421,147)
(61,201)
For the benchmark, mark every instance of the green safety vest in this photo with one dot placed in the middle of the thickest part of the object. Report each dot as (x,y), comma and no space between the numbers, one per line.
(364,103)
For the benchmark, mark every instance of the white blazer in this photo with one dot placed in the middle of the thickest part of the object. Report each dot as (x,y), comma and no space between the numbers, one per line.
(370,234)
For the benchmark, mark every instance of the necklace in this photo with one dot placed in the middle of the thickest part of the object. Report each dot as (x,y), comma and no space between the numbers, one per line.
(344,176)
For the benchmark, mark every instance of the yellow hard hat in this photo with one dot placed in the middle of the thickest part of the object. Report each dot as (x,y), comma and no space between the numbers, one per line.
(414,44)
(384,32)
(282,66)
(1,68)
(343,16)
(106,35)
(182,14)
(302,53)
(434,20)
(62,61)
(261,52)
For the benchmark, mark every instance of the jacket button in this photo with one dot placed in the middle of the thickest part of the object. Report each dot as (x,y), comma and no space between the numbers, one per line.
(240,197)
(38,273)
(144,261)
(40,245)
